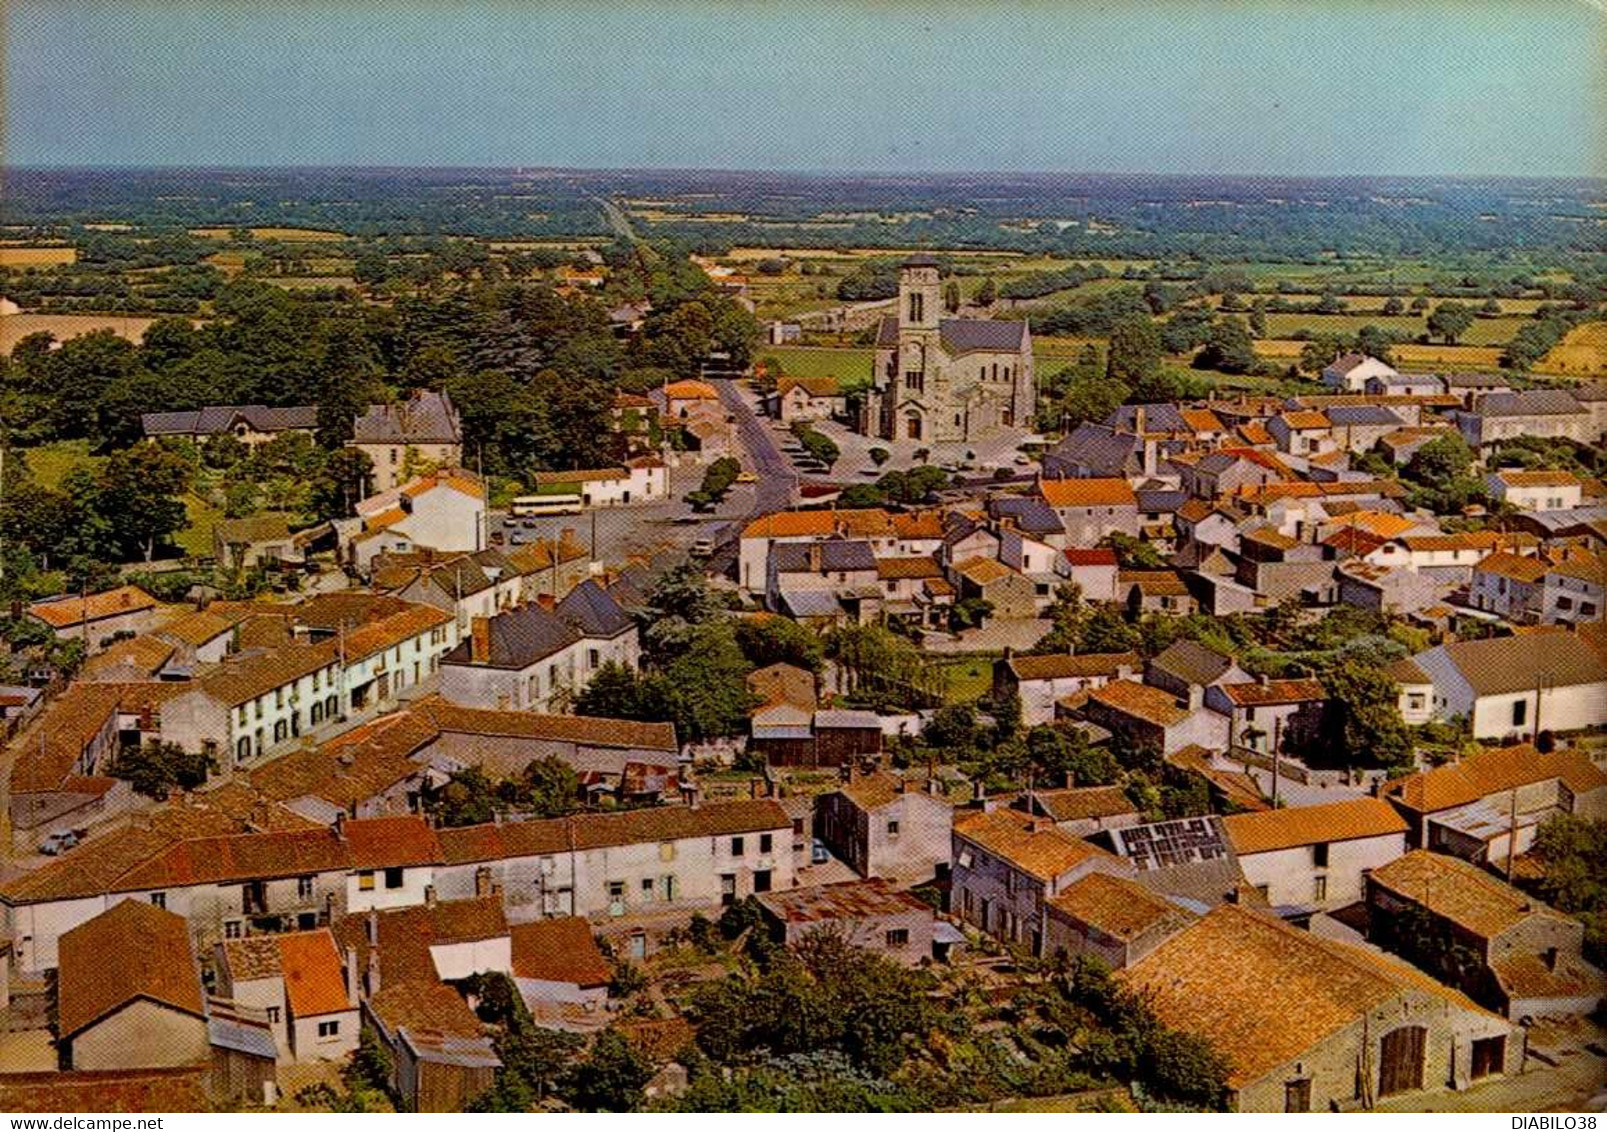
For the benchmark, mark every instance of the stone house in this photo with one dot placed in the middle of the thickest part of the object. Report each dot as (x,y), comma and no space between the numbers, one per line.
(1530,960)
(1535,491)
(251,425)
(98,619)
(1043,681)
(1258,710)
(1316,856)
(889,827)
(1011,594)
(1154,591)
(1546,413)
(400,439)
(525,659)
(1081,810)
(1092,510)
(871,914)
(1510,586)
(1310,1023)
(1008,865)
(666,859)
(262,540)
(1186,669)
(1349,373)
(1146,715)
(807,399)
(1357,428)
(1110,918)
(1574,591)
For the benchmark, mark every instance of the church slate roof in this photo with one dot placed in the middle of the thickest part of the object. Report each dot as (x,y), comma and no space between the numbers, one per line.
(965,335)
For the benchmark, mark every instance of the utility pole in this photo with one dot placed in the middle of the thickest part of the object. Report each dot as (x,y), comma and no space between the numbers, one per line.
(1277,731)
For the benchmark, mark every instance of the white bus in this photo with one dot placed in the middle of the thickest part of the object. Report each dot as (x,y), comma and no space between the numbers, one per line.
(558,503)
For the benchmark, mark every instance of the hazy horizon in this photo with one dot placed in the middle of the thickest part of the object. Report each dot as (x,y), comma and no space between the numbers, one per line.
(1262,88)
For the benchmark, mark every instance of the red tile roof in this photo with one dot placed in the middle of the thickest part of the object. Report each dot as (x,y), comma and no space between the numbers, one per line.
(131,951)
(311,967)
(1270,830)
(64,612)
(561,950)
(1110,492)
(593,831)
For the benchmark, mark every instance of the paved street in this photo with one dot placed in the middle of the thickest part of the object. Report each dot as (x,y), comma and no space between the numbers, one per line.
(776,474)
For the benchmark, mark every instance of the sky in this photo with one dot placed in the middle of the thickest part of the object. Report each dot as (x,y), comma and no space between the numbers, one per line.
(1430,87)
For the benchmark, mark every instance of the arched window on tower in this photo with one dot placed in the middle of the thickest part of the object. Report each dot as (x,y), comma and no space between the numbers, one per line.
(917,310)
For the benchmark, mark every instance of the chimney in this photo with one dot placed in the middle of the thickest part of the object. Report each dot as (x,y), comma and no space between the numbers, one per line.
(351,977)
(755,788)
(814,557)
(689,792)
(373,971)
(480,640)
(373,928)
(1196,698)
(482,881)
(429,896)
(934,786)
(902,786)
(1264,680)
(340,825)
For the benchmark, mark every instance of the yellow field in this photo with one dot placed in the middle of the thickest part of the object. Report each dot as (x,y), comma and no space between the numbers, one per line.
(15,327)
(1410,355)
(36,257)
(1582,352)
(301,235)
(110,226)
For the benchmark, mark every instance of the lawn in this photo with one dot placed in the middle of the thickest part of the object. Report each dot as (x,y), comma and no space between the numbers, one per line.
(821,361)
(968,680)
(1483,332)
(196,539)
(48,463)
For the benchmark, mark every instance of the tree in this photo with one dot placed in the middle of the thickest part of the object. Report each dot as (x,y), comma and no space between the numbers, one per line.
(780,640)
(1441,460)
(1572,854)
(611,1078)
(158,768)
(986,294)
(1420,304)
(551,788)
(1361,723)
(1393,306)
(1489,309)
(1258,319)
(879,456)
(1319,351)
(1229,349)
(1134,353)
(951,296)
(1376,342)
(1450,321)
(137,495)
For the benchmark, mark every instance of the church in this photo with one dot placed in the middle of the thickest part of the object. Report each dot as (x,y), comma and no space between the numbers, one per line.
(946,380)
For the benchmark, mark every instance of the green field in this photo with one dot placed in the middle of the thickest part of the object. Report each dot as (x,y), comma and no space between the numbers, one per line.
(1483,332)
(844,363)
(969,679)
(48,463)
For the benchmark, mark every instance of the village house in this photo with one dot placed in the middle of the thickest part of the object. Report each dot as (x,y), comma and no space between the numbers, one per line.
(443,511)
(1091,510)
(251,425)
(1302,432)
(400,439)
(916,589)
(824,737)
(1357,428)
(1472,808)
(1043,681)
(561,973)
(1098,451)
(296,875)
(1316,856)
(1093,571)
(256,702)
(1543,413)
(307,989)
(608,866)
(639,480)
(1535,491)
(441,1058)
(261,540)
(1530,957)
(870,914)
(1186,669)
(807,399)
(828,578)
(523,659)
(1032,518)
(1081,810)
(1404,385)
(1574,591)
(782,528)
(888,827)
(1266,714)
(1232,471)
(1008,865)
(1349,373)
(1110,918)
(1308,1023)
(1510,586)
(1150,716)
(98,619)
(1154,591)
(1516,687)
(1010,594)
(128,992)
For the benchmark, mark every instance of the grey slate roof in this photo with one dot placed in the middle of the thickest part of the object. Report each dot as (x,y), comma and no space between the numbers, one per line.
(1192,662)
(1097,450)
(218,418)
(231,1033)
(518,638)
(847,718)
(810,603)
(962,335)
(1161,500)
(590,610)
(425,418)
(1530,402)
(1161,417)
(1351,415)
(835,555)
(1030,514)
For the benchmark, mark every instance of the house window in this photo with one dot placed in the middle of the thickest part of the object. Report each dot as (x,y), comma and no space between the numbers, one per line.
(892,829)
(231,929)
(274,1015)
(1319,855)
(728,889)
(393,878)
(330,1029)
(1520,713)
(616,890)
(304,888)
(667,886)
(736,847)
(159,899)
(761,880)
(593,658)
(365,881)
(1319,889)
(1297,1096)
(647,888)
(666,850)
(898,937)
(914,381)
(766,842)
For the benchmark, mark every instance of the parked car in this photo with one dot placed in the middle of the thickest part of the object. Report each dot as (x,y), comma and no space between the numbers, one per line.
(703,547)
(747,477)
(818,853)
